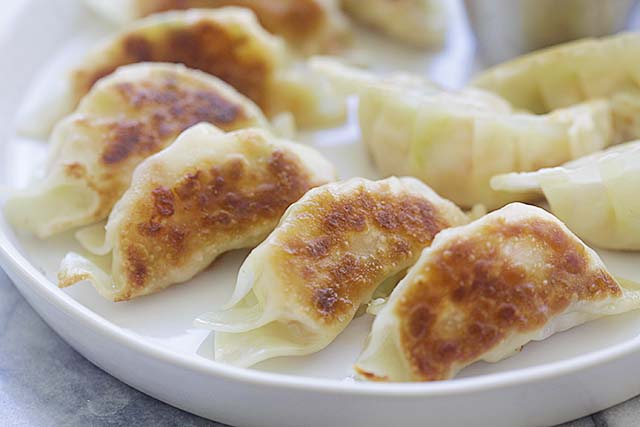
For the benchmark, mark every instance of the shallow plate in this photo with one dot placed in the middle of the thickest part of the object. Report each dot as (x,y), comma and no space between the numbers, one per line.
(151,343)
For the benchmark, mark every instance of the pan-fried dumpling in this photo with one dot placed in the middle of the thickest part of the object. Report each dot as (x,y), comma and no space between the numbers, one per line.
(483,290)
(206,194)
(227,43)
(596,196)
(302,286)
(455,141)
(125,118)
(567,74)
(421,23)
(309,25)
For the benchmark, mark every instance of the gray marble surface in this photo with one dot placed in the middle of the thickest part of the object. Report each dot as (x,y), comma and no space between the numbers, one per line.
(44,382)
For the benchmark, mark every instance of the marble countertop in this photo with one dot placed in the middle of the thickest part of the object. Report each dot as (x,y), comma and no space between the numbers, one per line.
(44,382)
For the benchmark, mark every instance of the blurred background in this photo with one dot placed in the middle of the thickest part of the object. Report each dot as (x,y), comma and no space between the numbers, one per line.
(504,29)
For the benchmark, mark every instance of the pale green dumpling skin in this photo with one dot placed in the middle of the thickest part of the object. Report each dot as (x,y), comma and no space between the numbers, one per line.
(455,141)
(596,196)
(567,74)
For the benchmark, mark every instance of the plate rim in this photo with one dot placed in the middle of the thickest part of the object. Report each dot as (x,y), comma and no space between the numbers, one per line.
(11,256)
(12,259)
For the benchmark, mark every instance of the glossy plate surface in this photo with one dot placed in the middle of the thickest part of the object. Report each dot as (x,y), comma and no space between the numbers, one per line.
(151,343)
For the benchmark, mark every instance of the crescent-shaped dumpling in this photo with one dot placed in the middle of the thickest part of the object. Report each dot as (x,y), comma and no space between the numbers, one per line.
(333,248)
(567,74)
(455,141)
(227,43)
(125,118)
(206,194)
(483,290)
(596,196)
(421,23)
(309,25)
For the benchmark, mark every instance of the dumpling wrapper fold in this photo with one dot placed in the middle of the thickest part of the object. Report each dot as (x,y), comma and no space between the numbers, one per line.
(596,196)
(482,291)
(206,194)
(332,249)
(455,141)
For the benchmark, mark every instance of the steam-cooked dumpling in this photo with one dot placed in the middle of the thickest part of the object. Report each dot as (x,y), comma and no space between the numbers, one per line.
(302,286)
(421,23)
(227,43)
(309,25)
(126,117)
(206,194)
(483,290)
(455,141)
(596,196)
(567,74)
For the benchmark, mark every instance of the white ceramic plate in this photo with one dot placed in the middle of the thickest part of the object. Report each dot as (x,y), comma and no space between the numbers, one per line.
(151,344)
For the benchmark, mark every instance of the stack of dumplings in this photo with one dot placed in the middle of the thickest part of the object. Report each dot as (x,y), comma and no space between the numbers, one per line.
(169,150)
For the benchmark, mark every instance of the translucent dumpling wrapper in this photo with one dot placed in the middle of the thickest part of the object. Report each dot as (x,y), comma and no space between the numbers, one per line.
(567,74)
(596,196)
(455,141)
(421,23)
(206,194)
(332,249)
(126,117)
(310,26)
(483,290)
(227,43)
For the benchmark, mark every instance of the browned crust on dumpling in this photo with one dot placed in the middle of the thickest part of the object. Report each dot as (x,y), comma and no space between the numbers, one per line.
(293,19)
(233,56)
(154,113)
(471,294)
(167,108)
(206,207)
(348,243)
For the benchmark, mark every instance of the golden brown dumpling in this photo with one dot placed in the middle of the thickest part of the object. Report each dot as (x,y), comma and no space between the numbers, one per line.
(206,194)
(333,248)
(309,25)
(227,43)
(483,290)
(126,117)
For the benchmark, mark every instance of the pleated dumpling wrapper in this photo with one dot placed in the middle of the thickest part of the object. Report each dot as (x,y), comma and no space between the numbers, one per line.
(483,290)
(455,141)
(421,23)
(596,196)
(206,194)
(125,118)
(311,26)
(227,43)
(568,74)
(332,249)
